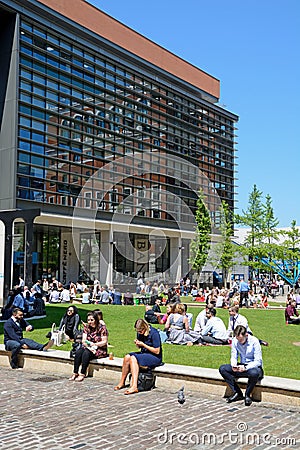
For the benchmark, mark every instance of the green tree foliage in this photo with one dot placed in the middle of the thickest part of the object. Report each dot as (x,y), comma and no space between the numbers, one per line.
(270,222)
(252,217)
(260,248)
(200,246)
(226,248)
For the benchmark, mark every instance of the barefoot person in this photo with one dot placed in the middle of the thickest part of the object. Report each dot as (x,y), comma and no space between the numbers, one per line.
(148,341)
(13,337)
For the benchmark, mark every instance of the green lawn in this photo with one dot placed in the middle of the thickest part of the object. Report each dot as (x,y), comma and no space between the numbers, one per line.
(266,324)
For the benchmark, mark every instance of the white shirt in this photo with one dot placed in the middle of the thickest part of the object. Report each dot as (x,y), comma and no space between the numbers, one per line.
(201,321)
(65,295)
(216,328)
(236,320)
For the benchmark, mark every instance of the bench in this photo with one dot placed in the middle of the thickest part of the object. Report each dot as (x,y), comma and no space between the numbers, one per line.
(168,376)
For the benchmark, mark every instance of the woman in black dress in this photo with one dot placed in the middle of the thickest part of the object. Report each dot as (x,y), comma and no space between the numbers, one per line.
(148,341)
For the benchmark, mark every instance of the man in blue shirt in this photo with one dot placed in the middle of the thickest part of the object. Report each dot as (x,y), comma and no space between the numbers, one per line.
(244,289)
(247,349)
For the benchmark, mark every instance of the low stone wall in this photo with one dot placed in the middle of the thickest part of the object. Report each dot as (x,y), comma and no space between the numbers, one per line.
(169,376)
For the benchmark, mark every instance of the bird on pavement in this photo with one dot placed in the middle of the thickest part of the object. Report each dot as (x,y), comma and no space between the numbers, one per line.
(181,396)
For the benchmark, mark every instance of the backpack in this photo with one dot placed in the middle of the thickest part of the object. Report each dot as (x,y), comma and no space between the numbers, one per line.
(146,381)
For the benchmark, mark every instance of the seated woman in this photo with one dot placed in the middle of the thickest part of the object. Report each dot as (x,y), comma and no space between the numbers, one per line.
(162,318)
(178,328)
(150,356)
(71,321)
(94,345)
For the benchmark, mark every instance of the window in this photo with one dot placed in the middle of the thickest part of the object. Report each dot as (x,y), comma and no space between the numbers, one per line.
(113,199)
(87,199)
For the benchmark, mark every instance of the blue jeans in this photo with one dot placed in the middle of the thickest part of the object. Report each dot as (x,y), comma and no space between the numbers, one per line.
(253,375)
(14,347)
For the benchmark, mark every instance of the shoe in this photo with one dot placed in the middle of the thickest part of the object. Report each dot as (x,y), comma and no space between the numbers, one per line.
(49,345)
(73,377)
(16,368)
(48,335)
(80,378)
(248,401)
(265,343)
(234,398)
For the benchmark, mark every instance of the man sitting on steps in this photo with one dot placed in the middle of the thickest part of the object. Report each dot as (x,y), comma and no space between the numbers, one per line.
(13,337)
(246,348)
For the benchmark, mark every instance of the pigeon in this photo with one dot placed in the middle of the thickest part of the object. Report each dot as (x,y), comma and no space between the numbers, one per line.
(180,396)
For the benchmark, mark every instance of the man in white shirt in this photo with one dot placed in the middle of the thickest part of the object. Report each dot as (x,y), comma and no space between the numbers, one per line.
(236,319)
(201,319)
(247,350)
(214,332)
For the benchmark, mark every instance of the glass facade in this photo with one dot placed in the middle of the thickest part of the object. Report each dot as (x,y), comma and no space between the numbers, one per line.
(45,251)
(105,133)
(79,110)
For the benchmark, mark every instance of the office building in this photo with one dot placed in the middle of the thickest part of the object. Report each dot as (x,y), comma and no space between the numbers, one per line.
(105,139)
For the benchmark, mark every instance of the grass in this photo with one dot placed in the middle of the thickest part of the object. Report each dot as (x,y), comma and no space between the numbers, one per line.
(281,358)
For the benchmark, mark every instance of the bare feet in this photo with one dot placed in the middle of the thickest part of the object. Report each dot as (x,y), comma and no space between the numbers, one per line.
(131,391)
(119,387)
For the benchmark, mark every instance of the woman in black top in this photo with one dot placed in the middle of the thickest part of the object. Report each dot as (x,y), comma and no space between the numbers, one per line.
(71,321)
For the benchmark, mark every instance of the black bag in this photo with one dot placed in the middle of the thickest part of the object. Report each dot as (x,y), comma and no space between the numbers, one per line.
(146,381)
(75,347)
(76,344)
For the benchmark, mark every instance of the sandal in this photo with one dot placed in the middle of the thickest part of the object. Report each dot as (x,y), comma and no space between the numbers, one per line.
(131,391)
(73,377)
(80,378)
(119,387)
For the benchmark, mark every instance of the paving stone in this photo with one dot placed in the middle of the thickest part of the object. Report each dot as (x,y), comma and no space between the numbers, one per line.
(60,415)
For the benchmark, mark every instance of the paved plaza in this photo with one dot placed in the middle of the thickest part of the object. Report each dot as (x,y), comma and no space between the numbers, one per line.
(46,412)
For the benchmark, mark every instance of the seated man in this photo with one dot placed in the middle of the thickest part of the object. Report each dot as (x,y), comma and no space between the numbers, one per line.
(291,313)
(128,298)
(236,319)
(247,348)
(214,331)
(13,337)
(19,300)
(201,319)
(150,315)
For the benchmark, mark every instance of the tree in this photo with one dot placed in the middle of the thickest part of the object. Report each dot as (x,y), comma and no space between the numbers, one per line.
(226,248)
(270,222)
(253,218)
(200,246)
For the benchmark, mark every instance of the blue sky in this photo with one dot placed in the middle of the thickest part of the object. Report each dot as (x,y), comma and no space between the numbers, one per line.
(252,47)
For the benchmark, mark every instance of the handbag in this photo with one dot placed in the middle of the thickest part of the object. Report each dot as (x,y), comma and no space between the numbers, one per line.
(75,346)
(58,336)
(146,381)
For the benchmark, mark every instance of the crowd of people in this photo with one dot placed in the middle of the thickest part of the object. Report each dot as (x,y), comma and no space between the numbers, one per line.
(91,337)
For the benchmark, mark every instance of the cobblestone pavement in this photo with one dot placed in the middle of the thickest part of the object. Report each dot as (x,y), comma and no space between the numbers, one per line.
(46,412)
